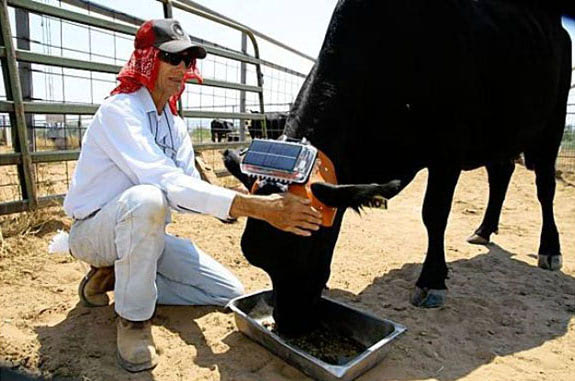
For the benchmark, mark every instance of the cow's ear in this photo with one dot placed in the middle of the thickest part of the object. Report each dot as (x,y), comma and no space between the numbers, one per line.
(356,196)
(232,162)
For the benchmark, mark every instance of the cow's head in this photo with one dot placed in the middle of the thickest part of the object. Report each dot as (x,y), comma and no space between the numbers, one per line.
(299,267)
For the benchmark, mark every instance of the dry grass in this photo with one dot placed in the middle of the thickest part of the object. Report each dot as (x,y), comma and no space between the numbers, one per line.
(23,249)
(19,237)
(51,178)
(29,223)
(68,143)
(47,144)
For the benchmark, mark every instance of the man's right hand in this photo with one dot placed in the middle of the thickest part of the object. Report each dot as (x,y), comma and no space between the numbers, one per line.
(283,211)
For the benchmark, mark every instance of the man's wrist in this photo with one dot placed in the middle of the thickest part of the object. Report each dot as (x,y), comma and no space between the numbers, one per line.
(246,206)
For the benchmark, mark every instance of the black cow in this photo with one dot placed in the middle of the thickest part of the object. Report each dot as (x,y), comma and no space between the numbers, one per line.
(275,124)
(221,129)
(458,84)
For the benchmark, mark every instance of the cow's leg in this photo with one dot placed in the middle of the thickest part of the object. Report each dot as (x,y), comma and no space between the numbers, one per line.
(430,288)
(549,246)
(499,175)
(543,157)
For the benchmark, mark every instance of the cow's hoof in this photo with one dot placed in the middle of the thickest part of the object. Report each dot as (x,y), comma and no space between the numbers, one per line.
(476,239)
(428,298)
(550,262)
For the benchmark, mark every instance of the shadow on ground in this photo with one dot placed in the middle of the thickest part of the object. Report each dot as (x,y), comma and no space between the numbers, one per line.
(497,306)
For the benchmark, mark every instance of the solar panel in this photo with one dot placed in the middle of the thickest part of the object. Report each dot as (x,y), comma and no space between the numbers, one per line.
(279,160)
(275,155)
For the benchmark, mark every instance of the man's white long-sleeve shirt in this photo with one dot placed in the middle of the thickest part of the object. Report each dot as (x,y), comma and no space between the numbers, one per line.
(128,143)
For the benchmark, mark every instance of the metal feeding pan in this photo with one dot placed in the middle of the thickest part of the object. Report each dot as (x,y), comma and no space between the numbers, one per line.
(253,314)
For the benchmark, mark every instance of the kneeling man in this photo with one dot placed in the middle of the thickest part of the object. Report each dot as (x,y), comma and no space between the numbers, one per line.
(137,163)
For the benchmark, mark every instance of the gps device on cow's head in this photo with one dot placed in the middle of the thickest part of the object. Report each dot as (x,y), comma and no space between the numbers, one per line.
(283,161)
(295,163)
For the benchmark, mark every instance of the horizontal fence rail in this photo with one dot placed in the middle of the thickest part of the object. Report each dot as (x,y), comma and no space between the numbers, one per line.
(22,129)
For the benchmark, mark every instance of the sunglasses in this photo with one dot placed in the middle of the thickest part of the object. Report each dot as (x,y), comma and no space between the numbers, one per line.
(176,58)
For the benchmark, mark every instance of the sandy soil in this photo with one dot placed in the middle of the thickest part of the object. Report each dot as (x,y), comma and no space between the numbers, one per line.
(505,318)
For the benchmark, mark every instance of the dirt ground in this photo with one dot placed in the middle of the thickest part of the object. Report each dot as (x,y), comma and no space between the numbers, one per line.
(505,319)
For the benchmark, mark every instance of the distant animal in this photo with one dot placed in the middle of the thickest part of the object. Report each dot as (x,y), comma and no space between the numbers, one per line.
(220,129)
(456,85)
(275,123)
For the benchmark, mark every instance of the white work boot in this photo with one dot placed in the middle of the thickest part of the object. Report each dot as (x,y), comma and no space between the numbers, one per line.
(136,348)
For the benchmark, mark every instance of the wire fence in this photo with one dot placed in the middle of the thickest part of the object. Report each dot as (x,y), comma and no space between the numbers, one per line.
(57,84)
(566,158)
(229,94)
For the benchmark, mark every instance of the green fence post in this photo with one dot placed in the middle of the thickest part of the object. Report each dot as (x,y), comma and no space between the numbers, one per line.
(14,91)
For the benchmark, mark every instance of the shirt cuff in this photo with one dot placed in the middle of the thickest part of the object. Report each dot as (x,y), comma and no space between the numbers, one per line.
(198,196)
(220,203)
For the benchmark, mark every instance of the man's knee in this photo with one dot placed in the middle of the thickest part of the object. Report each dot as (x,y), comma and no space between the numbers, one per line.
(146,202)
(238,289)
(221,292)
(234,289)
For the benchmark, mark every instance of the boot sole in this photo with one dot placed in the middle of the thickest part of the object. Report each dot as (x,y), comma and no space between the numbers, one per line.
(134,368)
(81,287)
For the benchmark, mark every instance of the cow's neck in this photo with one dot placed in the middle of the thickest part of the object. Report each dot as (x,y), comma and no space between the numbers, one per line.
(328,140)
(359,155)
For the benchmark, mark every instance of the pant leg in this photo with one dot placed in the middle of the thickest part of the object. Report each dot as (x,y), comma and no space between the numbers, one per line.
(188,276)
(129,233)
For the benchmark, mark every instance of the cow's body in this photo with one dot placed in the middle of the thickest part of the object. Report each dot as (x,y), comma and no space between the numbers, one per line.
(220,129)
(460,84)
(275,124)
(460,81)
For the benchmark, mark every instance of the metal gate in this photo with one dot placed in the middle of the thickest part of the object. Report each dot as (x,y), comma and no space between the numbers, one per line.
(21,107)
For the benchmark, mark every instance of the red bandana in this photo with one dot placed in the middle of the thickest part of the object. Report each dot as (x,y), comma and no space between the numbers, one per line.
(142,70)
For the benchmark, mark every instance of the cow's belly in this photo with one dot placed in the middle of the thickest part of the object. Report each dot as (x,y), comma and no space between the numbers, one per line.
(492,91)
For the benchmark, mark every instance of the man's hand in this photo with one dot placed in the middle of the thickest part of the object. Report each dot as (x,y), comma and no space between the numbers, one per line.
(292,214)
(283,211)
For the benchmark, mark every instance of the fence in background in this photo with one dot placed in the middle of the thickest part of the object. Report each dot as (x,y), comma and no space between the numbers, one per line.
(59,60)
(566,159)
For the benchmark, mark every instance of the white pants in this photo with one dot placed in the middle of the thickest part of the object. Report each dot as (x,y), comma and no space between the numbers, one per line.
(150,266)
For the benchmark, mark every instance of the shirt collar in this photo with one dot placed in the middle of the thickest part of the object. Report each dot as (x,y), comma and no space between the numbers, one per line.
(149,105)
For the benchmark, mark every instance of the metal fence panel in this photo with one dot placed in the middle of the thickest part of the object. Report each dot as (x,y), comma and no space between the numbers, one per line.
(52,124)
